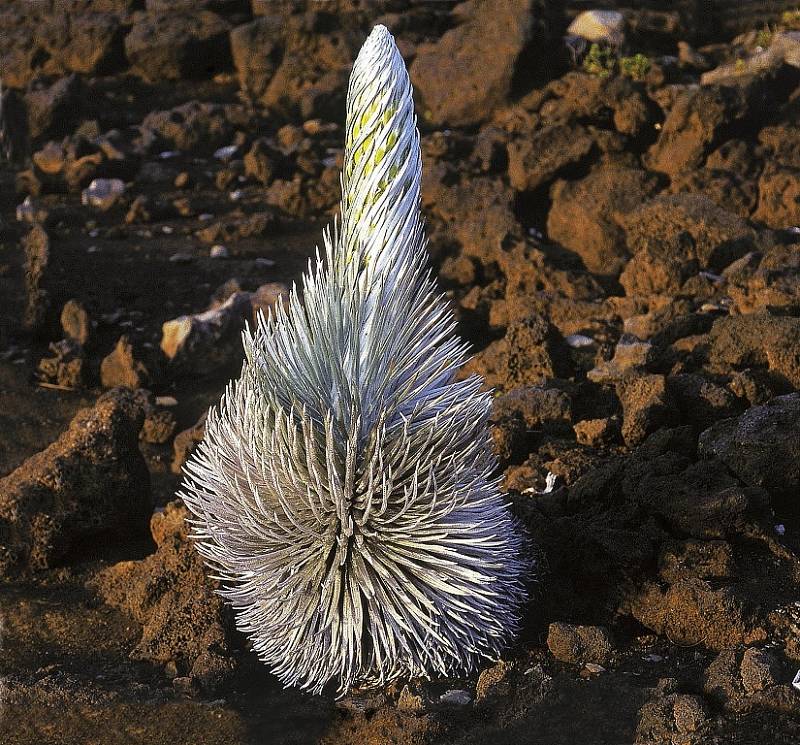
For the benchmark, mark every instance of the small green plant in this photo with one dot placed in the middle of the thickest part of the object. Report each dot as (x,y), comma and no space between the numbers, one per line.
(635,67)
(764,37)
(790,20)
(600,61)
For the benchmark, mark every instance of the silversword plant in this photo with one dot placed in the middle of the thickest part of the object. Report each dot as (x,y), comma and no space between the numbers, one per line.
(344,491)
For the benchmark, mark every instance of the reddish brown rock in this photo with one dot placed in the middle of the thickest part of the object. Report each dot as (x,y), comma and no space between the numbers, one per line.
(91,480)
(693,122)
(597,432)
(719,237)
(691,612)
(583,216)
(184,622)
(122,367)
(75,322)
(537,159)
(779,197)
(578,645)
(185,443)
(758,340)
(646,406)
(531,352)
(451,76)
(173,45)
(674,719)
(67,366)
(693,558)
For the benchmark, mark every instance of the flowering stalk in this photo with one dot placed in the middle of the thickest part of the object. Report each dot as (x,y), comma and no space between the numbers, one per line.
(344,490)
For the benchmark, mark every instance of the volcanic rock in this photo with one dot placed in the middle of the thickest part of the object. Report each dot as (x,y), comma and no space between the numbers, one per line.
(453,81)
(91,480)
(173,45)
(184,622)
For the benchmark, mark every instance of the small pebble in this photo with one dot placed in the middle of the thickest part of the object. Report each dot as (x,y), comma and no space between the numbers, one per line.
(780,529)
(168,229)
(455,698)
(181,258)
(594,668)
(577,341)
(219,252)
(226,153)
(266,263)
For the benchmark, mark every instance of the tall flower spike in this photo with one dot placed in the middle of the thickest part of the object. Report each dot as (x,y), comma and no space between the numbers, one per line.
(344,491)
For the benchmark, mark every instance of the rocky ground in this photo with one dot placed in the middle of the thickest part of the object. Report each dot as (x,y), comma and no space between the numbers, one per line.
(619,230)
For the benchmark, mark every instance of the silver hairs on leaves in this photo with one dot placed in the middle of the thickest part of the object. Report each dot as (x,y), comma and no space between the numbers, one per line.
(344,490)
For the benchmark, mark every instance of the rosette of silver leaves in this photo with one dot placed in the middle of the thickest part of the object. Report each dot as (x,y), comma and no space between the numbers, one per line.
(344,492)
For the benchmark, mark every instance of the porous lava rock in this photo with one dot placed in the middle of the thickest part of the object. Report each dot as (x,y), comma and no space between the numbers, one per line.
(173,45)
(583,215)
(185,624)
(455,84)
(91,480)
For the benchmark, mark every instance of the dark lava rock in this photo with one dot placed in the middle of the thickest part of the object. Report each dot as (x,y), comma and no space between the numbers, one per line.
(674,719)
(37,258)
(583,216)
(174,45)
(185,624)
(698,499)
(189,126)
(91,480)
(535,160)
(454,82)
(55,109)
(762,446)
(701,401)
(739,680)
(205,342)
(578,645)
